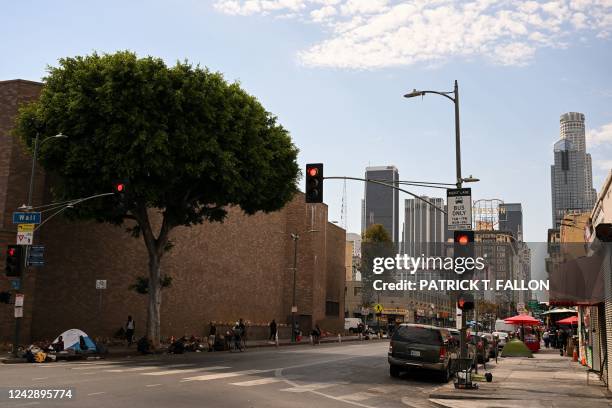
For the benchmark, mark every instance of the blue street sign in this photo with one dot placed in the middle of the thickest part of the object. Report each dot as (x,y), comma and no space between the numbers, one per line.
(16,284)
(36,255)
(26,218)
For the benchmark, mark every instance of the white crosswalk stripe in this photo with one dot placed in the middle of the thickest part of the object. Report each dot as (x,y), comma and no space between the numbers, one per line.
(216,376)
(188,370)
(145,368)
(260,381)
(309,387)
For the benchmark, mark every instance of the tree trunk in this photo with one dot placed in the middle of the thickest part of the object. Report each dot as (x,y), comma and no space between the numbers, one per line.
(155,248)
(155,298)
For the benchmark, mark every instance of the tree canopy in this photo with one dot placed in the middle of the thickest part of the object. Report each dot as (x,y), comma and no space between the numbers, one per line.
(187,141)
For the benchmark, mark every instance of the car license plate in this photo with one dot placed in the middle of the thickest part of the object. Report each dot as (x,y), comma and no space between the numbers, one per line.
(415,353)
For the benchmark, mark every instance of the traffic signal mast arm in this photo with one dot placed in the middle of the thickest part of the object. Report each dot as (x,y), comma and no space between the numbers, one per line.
(390,186)
(69,204)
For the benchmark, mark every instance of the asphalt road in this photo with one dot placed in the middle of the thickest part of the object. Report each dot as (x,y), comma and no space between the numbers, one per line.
(333,375)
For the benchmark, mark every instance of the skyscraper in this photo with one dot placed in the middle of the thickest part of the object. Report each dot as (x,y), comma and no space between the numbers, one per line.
(511,219)
(425,228)
(381,203)
(571,175)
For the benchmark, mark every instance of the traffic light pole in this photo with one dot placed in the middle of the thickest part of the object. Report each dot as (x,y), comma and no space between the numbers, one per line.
(295,238)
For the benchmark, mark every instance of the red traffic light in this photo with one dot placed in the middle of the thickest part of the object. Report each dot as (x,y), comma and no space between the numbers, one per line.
(312,171)
(120,187)
(463,239)
(12,252)
(461,302)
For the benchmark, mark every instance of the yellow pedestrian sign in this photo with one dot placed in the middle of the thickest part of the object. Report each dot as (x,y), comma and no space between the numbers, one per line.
(378,308)
(25,227)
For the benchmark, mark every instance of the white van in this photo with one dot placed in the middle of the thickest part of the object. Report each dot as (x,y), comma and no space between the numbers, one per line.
(351,324)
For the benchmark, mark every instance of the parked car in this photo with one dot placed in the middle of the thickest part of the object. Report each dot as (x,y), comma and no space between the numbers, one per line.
(422,347)
(502,339)
(351,324)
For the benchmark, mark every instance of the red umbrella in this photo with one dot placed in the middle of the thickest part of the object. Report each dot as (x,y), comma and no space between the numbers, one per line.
(569,320)
(523,319)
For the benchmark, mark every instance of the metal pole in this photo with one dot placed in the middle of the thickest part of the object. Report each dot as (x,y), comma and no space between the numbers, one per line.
(294,306)
(26,252)
(457,137)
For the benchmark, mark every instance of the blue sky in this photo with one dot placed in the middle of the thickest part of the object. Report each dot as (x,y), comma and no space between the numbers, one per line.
(334,72)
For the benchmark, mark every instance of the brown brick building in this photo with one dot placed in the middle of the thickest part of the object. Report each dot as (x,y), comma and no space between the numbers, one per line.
(221,272)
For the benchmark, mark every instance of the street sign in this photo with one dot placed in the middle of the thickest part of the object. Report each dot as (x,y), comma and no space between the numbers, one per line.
(36,255)
(26,218)
(533,304)
(459,207)
(100,283)
(25,227)
(18,311)
(378,308)
(19,300)
(293,309)
(25,238)
(16,283)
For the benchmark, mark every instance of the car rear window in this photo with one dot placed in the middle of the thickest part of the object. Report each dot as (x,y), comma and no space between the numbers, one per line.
(420,335)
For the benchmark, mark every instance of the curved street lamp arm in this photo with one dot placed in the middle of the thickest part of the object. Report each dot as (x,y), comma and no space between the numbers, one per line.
(445,94)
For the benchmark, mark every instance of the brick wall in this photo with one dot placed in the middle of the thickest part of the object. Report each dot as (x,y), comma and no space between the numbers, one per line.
(15,169)
(221,272)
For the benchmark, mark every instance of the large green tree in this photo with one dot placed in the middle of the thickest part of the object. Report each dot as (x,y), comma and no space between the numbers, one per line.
(375,242)
(188,143)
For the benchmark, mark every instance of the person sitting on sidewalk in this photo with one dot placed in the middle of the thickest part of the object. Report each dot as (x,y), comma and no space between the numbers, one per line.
(144,345)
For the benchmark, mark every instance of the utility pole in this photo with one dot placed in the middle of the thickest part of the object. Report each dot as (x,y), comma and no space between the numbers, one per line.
(295,238)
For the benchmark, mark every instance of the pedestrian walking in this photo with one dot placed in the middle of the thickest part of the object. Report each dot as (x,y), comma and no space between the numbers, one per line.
(212,335)
(546,337)
(316,335)
(273,330)
(130,326)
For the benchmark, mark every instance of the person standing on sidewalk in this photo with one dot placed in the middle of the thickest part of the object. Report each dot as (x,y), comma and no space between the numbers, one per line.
(212,335)
(546,338)
(130,326)
(273,330)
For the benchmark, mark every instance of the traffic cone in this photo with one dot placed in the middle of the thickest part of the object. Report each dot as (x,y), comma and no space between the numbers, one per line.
(575,355)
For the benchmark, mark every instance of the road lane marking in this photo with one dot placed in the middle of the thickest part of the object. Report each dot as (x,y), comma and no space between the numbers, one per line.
(92,367)
(96,393)
(39,378)
(308,387)
(261,381)
(217,376)
(145,368)
(152,385)
(189,370)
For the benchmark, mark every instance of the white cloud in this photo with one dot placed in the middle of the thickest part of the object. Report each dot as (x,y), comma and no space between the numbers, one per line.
(603,164)
(366,34)
(601,135)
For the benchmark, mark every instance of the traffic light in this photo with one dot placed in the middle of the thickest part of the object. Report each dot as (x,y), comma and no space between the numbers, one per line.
(465,301)
(5,297)
(120,188)
(314,183)
(463,244)
(13,261)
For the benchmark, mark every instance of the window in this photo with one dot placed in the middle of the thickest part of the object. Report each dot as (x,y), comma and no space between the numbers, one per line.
(419,335)
(332,308)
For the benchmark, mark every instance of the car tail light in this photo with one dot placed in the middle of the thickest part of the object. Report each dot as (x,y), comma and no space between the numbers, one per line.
(442,353)
(391,347)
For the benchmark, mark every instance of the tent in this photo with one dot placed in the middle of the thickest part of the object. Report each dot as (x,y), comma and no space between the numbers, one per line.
(561,310)
(72,338)
(523,319)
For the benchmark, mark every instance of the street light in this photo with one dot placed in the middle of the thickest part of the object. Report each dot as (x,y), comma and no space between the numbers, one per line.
(28,207)
(455,100)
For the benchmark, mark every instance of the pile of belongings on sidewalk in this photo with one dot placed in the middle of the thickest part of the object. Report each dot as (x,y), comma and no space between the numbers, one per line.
(71,343)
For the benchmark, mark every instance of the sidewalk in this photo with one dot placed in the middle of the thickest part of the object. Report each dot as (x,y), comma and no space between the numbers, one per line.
(124,351)
(547,380)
